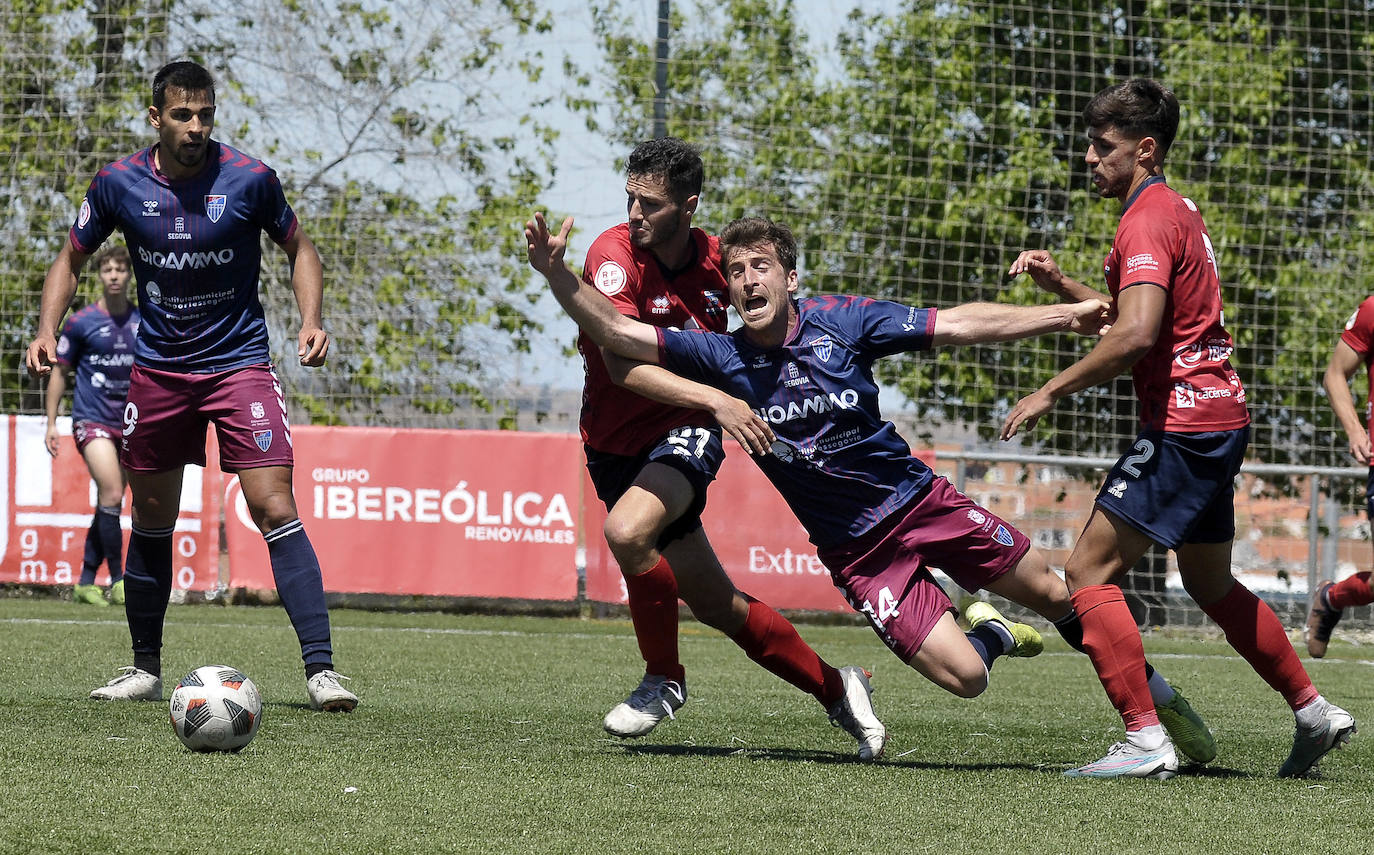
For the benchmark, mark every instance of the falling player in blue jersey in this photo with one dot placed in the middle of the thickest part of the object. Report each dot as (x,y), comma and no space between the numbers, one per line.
(97,347)
(879,517)
(192,211)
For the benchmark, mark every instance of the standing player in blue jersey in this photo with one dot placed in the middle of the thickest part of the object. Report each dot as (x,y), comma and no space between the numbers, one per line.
(1175,488)
(192,211)
(879,517)
(97,346)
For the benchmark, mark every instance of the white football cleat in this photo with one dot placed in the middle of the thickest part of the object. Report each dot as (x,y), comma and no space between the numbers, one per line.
(854,712)
(654,699)
(326,693)
(132,684)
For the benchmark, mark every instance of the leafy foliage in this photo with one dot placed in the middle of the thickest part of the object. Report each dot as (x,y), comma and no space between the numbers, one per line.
(950,138)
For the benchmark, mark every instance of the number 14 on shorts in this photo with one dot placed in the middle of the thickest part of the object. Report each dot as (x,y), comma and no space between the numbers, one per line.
(887,608)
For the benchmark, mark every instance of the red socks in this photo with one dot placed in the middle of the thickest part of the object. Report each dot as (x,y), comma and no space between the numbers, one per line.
(1354,591)
(1113,643)
(769,639)
(1255,632)
(653,611)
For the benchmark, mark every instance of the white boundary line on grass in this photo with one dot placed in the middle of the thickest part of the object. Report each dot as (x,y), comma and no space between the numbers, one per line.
(586,636)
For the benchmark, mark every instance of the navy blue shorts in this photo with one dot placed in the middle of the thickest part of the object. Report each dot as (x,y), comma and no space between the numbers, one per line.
(1178,487)
(1369,495)
(696,452)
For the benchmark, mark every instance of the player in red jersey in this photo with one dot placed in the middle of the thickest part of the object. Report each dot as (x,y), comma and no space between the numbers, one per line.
(1175,486)
(651,463)
(1354,350)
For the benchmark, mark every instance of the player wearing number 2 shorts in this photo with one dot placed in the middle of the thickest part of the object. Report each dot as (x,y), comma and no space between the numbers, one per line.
(651,463)
(1174,486)
(193,211)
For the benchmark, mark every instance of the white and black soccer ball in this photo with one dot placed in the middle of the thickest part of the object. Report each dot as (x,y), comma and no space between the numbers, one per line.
(216,708)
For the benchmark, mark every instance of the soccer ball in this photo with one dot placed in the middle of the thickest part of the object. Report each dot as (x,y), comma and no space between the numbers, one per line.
(216,708)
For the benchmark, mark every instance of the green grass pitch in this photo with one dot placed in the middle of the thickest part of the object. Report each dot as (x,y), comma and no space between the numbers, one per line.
(483,734)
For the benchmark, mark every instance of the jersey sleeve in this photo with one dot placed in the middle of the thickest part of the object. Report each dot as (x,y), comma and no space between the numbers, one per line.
(612,271)
(696,354)
(1359,330)
(879,327)
(68,344)
(98,215)
(275,216)
(1145,247)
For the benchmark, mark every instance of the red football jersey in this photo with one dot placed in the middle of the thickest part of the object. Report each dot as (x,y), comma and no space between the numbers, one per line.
(1359,334)
(1185,382)
(614,419)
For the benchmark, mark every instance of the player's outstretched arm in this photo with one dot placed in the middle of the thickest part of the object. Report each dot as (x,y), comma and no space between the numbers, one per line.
(59,286)
(1044,270)
(981,323)
(1122,345)
(1345,361)
(596,315)
(656,383)
(307,281)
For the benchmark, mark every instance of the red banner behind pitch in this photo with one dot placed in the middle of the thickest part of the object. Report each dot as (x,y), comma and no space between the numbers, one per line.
(46,505)
(444,513)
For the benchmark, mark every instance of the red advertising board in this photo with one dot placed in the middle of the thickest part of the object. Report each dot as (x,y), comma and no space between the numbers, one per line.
(443,513)
(46,505)
(755,535)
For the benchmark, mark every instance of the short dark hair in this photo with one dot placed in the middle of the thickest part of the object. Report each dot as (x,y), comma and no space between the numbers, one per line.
(754,231)
(114,252)
(185,75)
(676,162)
(1138,108)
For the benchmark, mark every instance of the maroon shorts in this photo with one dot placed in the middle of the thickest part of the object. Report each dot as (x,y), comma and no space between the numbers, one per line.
(85,431)
(166,415)
(885,573)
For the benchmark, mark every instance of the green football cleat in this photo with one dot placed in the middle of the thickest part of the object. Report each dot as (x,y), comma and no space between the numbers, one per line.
(1026,640)
(1186,728)
(117,593)
(91,595)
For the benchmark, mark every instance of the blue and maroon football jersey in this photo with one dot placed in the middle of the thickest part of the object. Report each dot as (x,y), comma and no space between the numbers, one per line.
(840,466)
(100,349)
(196,254)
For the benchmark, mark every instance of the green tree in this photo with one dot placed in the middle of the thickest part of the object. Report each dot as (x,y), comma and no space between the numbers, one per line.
(70,93)
(950,138)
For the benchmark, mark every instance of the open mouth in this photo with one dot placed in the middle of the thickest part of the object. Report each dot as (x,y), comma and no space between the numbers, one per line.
(755,304)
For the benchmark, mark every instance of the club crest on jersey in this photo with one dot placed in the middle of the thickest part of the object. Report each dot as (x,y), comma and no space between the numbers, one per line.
(822,347)
(263,438)
(214,208)
(84,216)
(1003,536)
(714,305)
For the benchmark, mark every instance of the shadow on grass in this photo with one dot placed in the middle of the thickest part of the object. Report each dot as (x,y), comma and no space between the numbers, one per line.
(794,755)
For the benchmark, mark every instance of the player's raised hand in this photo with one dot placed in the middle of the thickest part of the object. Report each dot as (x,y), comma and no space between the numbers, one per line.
(1027,412)
(41,355)
(1090,317)
(313,346)
(546,249)
(1041,267)
(740,421)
